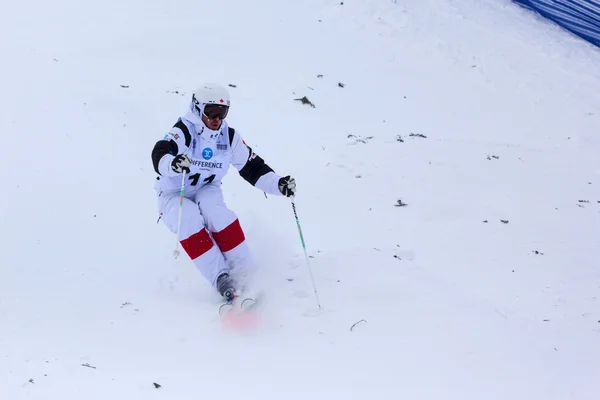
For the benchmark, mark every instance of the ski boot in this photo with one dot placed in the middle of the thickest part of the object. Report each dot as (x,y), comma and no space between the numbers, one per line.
(226,287)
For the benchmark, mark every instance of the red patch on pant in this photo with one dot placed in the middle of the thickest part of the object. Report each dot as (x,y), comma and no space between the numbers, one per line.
(197,244)
(230,237)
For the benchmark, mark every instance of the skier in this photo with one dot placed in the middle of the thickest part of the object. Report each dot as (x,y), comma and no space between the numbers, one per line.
(202,145)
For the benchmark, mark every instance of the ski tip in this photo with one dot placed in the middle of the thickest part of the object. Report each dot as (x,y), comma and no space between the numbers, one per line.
(242,318)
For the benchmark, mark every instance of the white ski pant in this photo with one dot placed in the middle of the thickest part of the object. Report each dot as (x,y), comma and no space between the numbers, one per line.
(211,233)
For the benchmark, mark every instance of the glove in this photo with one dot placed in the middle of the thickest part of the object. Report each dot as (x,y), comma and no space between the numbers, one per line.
(181,163)
(287,186)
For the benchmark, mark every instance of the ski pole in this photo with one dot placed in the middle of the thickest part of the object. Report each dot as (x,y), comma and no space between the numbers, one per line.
(176,251)
(305,253)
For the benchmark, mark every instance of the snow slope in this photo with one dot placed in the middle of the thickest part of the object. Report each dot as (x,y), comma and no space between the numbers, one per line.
(456,303)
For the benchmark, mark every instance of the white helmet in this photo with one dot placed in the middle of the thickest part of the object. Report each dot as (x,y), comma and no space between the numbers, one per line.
(211,93)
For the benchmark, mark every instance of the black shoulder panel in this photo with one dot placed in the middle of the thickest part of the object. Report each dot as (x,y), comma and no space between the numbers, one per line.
(231,135)
(186,132)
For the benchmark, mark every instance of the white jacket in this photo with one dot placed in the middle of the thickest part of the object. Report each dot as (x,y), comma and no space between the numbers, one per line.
(211,153)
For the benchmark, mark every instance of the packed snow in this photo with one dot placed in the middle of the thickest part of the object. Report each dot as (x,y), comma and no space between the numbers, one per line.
(448,191)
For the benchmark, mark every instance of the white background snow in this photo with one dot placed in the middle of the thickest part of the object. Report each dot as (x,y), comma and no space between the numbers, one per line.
(93,305)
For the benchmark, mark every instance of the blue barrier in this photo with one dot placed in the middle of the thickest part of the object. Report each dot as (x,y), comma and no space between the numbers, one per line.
(582,17)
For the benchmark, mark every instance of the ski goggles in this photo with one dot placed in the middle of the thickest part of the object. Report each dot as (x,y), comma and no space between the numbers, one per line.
(213,111)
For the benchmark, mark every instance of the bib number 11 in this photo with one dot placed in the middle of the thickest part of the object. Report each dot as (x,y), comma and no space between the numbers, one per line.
(196,177)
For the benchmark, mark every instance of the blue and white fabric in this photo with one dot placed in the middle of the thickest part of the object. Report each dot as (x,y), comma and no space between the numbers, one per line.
(582,17)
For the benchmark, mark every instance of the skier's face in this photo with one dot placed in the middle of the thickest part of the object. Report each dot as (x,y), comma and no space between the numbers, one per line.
(212,123)
(213,115)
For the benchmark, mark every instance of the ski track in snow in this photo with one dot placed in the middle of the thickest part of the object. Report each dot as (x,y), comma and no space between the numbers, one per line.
(478,116)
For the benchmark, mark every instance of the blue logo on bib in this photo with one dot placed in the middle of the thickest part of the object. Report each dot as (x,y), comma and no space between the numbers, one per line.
(207,153)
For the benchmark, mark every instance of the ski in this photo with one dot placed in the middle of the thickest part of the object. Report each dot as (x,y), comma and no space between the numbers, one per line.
(247,304)
(239,315)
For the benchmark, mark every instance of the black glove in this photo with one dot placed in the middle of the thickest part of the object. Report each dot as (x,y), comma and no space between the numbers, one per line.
(181,163)
(287,186)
